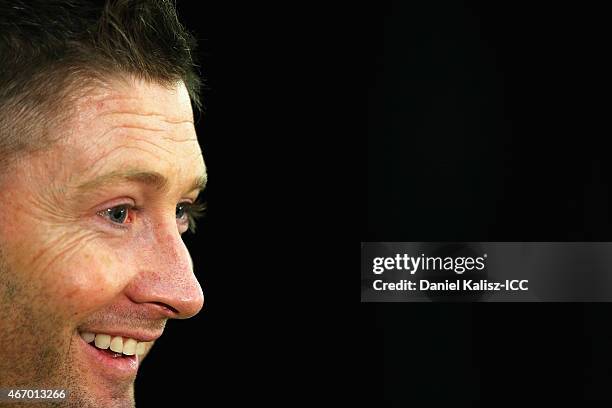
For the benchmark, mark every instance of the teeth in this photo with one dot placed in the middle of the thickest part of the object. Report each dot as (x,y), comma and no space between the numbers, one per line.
(129,347)
(102,341)
(140,348)
(118,344)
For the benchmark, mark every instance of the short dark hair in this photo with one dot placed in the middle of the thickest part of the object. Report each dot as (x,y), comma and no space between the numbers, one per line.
(51,49)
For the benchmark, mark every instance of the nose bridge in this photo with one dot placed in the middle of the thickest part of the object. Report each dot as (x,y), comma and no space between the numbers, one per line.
(167,276)
(172,251)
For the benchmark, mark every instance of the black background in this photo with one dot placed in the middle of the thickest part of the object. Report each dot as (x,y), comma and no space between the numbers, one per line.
(487,121)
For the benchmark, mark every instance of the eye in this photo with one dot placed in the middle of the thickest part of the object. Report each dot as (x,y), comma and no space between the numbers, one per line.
(117,215)
(187,213)
(181,210)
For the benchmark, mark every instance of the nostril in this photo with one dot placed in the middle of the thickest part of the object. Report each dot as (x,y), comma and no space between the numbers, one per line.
(166,307)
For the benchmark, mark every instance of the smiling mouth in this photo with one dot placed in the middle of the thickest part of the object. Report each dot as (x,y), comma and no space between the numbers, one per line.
(115,346)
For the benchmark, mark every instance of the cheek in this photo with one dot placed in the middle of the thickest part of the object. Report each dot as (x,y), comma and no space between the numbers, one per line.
(73,273)
(92,278)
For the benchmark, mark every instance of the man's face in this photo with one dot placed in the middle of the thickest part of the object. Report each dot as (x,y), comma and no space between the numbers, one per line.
(90,242)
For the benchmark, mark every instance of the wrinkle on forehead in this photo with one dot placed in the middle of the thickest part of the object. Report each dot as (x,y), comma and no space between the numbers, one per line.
(138,98)
(152,129)
(148,114)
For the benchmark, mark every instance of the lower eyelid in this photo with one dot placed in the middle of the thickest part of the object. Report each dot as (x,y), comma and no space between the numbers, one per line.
(107,222)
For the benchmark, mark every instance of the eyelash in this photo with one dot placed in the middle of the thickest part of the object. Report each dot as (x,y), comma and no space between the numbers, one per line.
(193,211)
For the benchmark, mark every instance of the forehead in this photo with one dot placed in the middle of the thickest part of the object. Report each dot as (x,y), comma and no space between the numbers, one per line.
(133,124)
(127,94)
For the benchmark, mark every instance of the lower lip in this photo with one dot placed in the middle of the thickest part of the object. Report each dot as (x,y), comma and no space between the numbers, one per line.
(119,368)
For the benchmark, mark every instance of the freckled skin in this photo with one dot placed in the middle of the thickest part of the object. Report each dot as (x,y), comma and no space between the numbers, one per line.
(64,266)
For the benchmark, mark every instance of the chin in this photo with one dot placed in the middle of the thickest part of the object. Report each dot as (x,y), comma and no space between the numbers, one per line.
(104,380)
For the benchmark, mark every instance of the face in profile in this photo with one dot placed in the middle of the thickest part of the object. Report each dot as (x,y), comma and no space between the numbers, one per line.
(92,263)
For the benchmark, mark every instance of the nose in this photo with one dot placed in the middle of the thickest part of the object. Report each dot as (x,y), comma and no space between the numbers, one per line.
(165,281)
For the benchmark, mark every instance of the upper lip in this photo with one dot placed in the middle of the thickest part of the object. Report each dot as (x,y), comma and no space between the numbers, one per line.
(137,335)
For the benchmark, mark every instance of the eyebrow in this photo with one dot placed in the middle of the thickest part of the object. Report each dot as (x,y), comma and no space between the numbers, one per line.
(149,178)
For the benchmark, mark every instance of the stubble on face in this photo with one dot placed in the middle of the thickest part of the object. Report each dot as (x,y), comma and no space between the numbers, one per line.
(39,352)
